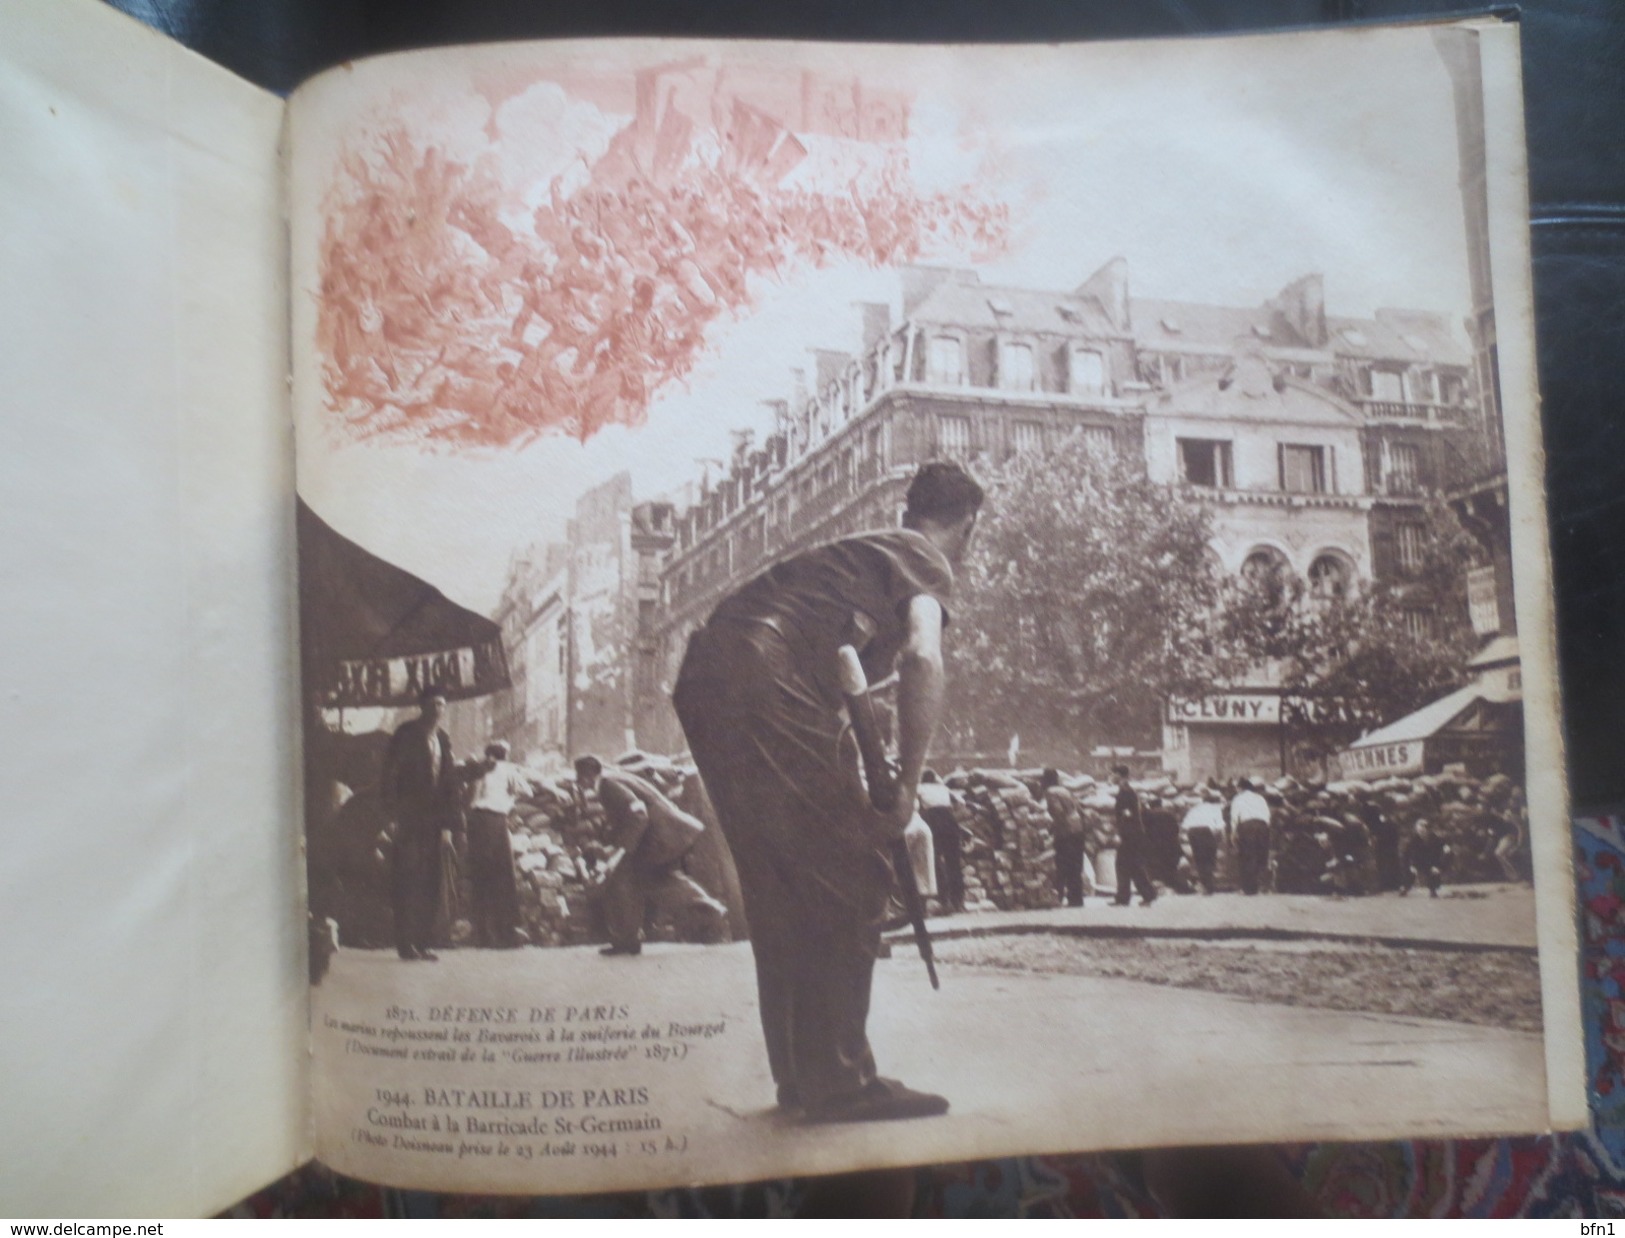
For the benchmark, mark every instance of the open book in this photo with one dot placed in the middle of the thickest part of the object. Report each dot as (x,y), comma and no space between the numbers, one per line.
(1154,425)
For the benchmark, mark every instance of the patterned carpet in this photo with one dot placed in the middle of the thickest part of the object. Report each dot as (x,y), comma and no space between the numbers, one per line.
(1580,1175)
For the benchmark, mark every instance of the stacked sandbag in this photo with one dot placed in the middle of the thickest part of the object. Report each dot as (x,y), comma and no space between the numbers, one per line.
(558,852)
(1010,859)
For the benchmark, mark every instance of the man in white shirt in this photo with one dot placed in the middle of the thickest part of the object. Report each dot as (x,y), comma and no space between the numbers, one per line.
(1202,826)
(494,884)
(937,809)
(1250,823)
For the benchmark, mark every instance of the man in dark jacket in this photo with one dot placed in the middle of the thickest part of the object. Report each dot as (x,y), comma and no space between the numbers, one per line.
(1426,855)
(1163,852)
(1131,843)
(421,785)
(759,697)
(1066,833)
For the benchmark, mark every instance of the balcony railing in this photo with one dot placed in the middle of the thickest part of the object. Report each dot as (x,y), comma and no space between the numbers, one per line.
(1407,410)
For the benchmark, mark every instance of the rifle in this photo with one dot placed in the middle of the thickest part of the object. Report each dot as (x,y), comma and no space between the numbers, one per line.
(881,780)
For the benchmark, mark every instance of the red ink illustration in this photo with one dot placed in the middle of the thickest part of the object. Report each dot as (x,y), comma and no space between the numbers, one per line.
(447,316)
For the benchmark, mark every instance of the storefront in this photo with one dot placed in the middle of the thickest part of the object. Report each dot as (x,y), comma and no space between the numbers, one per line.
(1479,727)
(373,638)
(1224,735)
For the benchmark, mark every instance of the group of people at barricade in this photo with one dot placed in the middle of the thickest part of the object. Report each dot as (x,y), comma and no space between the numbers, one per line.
(453,844)
(1286,836)
(1114,839)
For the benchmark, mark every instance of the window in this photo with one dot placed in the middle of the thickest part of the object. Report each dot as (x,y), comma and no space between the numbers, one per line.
(648,571)
(1205,462)
(953,436)
(1303,469)
(1016,367)
(1388,385)
(1101,441)
(1421,387)
(1408,538)
(947,360)
(1330,578)
(1088,373)
(1027,436)
(1267,573)
(1418,623)
(1404,468)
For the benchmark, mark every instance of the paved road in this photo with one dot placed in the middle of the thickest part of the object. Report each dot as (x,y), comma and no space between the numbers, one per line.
(1030,1062)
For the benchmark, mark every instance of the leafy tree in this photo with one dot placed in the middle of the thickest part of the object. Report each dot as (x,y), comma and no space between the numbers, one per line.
(1085,604)
(1361,661)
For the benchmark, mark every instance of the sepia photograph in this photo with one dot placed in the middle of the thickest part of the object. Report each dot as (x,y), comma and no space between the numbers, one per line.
(868,605)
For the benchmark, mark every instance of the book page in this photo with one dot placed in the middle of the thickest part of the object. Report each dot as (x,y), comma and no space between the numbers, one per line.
(1154,422)
(153,987)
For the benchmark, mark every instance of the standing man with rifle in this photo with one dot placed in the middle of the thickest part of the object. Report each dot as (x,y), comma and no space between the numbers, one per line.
(760,699)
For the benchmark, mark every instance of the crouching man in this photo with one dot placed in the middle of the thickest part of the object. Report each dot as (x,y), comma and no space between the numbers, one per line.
(653,836)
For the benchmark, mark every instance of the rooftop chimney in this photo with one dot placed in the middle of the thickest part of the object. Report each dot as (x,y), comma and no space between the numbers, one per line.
(919,282)
(1302,305)
(831,365)
(876,322)
(1109,288)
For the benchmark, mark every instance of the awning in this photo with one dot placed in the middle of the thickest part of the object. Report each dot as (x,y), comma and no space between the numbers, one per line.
(1402,747)
(372,633)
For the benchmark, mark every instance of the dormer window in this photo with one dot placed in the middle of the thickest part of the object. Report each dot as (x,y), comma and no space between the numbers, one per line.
(1171,326)
(1088,372)
(946,361)
(1388,385)
(1354,337)
(1000,306)
(1421,386)
(1261,331)
(1016,367)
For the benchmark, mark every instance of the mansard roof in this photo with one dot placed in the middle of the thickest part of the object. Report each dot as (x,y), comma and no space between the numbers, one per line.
(1392,335)
(1165,324)
(962,300)
(1248,391)
(1399,335)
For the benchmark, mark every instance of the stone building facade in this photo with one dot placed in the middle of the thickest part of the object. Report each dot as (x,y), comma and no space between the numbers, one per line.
(570,615)
(1314,438)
